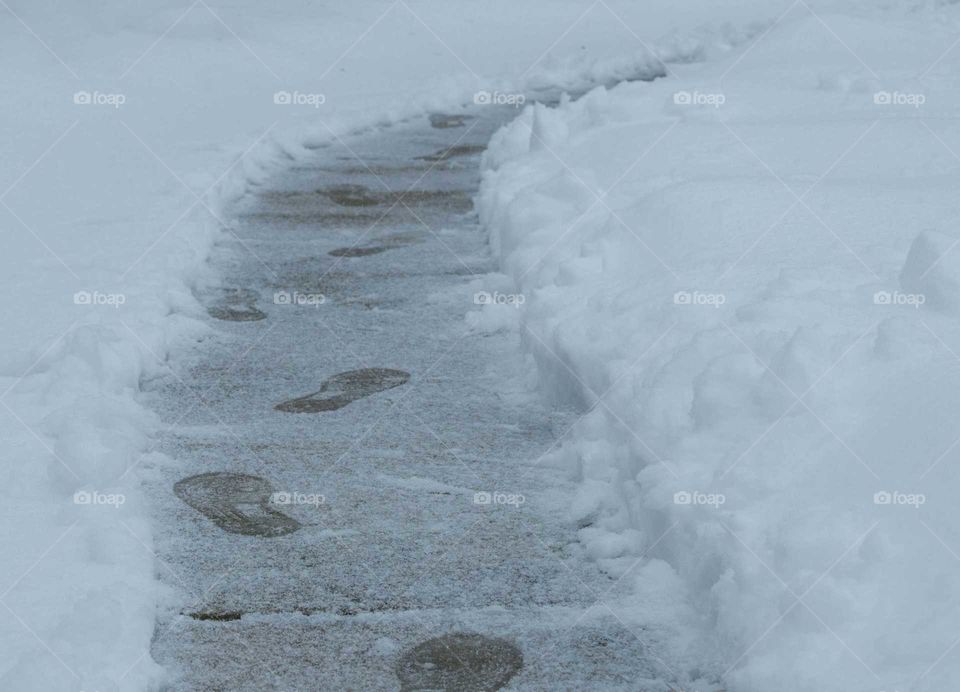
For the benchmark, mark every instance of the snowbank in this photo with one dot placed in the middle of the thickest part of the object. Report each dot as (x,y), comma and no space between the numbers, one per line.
(745,276)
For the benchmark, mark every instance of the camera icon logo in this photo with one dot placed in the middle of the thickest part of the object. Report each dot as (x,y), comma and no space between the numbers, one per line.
(682,298)
(82,298)
(82,98)
(482,98)
(281,498)
(482,298)
(683,98)
(882,498)
(882,298)
(682,498)
(82,497)
(482,498)
(282,98)
(883,98)
(281,298)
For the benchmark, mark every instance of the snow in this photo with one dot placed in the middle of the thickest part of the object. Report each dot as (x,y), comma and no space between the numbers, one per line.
(130,129)
(127,132)
(744,276)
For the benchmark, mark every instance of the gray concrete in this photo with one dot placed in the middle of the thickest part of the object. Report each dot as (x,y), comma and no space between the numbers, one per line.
(338,591)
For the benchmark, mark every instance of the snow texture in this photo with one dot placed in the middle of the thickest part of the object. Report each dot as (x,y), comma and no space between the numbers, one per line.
(129,130)
(745,277)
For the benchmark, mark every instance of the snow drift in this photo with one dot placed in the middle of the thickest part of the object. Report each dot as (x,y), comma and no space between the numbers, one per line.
(745,277)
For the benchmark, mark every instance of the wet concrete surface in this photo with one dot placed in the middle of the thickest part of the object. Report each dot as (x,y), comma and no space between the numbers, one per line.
(387,563)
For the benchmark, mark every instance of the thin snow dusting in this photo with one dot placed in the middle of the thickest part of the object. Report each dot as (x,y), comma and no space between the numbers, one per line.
(291,525)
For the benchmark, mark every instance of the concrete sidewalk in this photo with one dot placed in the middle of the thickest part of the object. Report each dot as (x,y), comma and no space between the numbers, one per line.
(387,528)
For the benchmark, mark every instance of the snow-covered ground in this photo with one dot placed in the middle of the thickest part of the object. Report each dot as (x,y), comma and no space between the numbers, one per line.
(747,277)
(128,129)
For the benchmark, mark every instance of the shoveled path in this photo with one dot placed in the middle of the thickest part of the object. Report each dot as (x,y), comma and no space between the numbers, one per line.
(377,417)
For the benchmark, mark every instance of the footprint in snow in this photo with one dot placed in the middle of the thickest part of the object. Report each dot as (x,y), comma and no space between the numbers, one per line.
(345,388)
(237,305)
(452,152)
(388,243)
(350,195)
(459,661)
(443,121)
(236,502)
(359,251)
